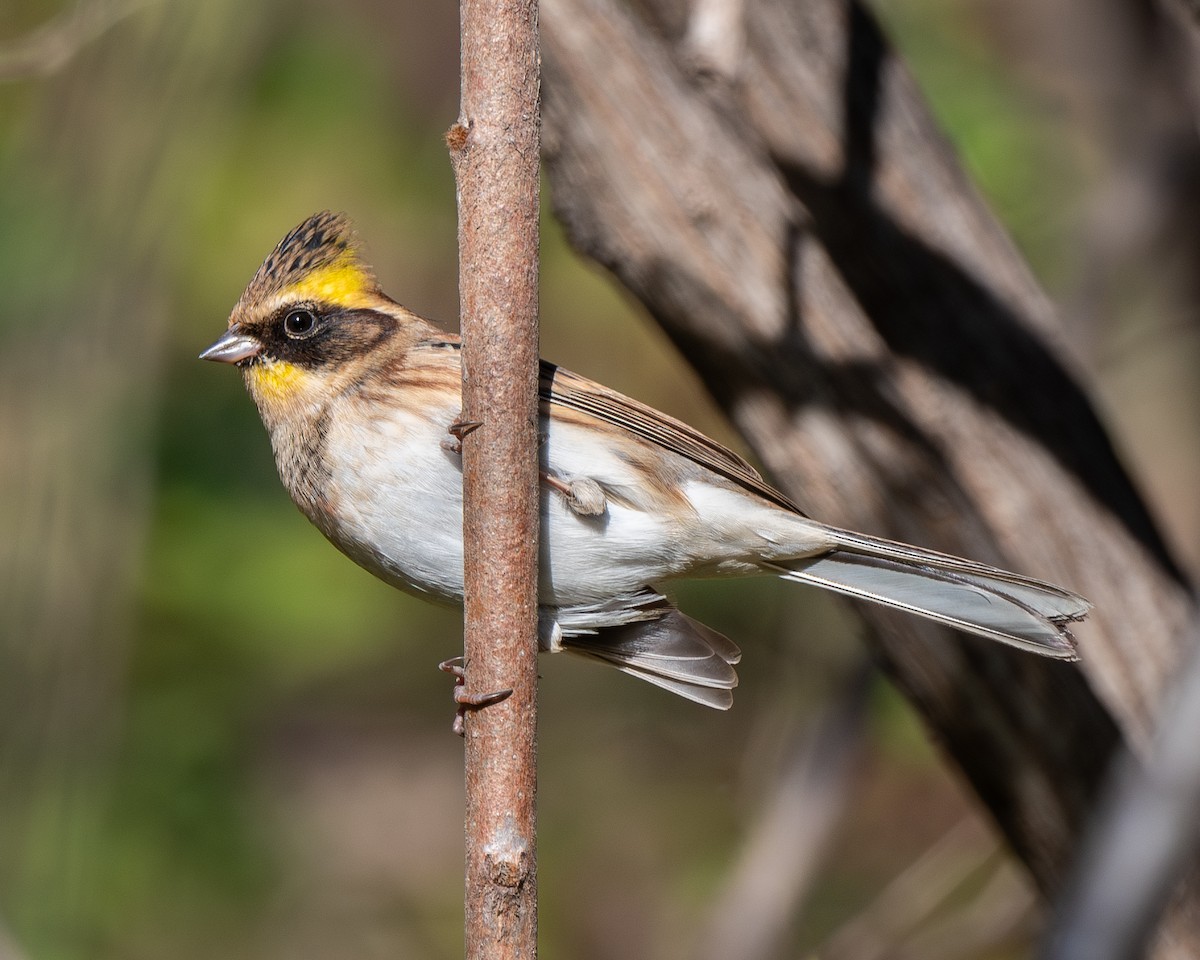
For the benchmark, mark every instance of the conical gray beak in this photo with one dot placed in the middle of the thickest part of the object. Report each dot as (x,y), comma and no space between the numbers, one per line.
(233,347)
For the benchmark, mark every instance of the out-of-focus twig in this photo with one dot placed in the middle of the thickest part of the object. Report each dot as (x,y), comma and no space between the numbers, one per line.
(8,946)
(47,49)
(1000,911)
(1143,839)
(784,850)
(911,897)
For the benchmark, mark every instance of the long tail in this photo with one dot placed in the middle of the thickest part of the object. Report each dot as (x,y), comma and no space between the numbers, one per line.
(973,597)
(644,635)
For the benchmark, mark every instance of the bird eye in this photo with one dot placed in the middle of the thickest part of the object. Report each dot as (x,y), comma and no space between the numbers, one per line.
(300,324)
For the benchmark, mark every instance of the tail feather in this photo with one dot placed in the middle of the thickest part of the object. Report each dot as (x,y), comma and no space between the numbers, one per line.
(717,699)
(973,597)
(644,635)
(672,651)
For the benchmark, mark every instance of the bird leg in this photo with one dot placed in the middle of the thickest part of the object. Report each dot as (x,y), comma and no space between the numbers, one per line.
(467,701)
(583,494)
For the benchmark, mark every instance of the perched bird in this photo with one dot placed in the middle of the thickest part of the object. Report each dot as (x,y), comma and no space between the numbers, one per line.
(358,395)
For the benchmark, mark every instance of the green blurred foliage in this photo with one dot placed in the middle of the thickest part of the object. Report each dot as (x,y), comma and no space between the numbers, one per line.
(223,739)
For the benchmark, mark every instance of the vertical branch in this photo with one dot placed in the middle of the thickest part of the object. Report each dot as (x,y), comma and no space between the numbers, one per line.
(495,147)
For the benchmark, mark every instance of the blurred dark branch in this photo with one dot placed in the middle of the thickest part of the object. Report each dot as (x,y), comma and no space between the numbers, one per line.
(1144,838)
(46,50)
(1192,7)
(800,228)
(1184,14)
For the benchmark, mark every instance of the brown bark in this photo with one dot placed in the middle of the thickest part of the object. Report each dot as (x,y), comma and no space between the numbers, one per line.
(768,181)
(495,149)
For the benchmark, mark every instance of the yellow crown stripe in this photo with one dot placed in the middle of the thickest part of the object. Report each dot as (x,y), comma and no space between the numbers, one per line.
(343,282)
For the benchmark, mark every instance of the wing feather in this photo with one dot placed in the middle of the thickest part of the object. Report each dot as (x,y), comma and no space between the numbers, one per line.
(569,390)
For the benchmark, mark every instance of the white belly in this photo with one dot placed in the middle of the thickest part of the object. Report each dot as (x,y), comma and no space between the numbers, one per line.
(399,514)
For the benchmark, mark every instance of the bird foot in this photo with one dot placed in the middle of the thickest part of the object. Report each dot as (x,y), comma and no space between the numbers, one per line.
(457,430)
(467,701)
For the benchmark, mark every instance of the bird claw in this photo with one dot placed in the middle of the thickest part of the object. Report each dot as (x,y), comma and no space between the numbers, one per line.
(467,701)
(459,429)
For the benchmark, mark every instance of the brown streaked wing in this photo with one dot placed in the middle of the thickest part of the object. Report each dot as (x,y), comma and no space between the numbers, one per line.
(574,392)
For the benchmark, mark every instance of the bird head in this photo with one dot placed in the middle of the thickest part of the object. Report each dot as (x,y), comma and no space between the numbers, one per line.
(310,320)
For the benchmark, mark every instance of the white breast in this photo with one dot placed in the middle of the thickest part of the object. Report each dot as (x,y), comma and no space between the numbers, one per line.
(397,497)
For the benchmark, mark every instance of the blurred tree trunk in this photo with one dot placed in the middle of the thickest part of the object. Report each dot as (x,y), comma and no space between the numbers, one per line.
(764,176)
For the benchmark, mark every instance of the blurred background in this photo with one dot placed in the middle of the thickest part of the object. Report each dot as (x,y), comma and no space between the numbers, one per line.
(219,738)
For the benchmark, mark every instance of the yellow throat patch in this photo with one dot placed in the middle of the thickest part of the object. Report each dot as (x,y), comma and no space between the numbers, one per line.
(276,382)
